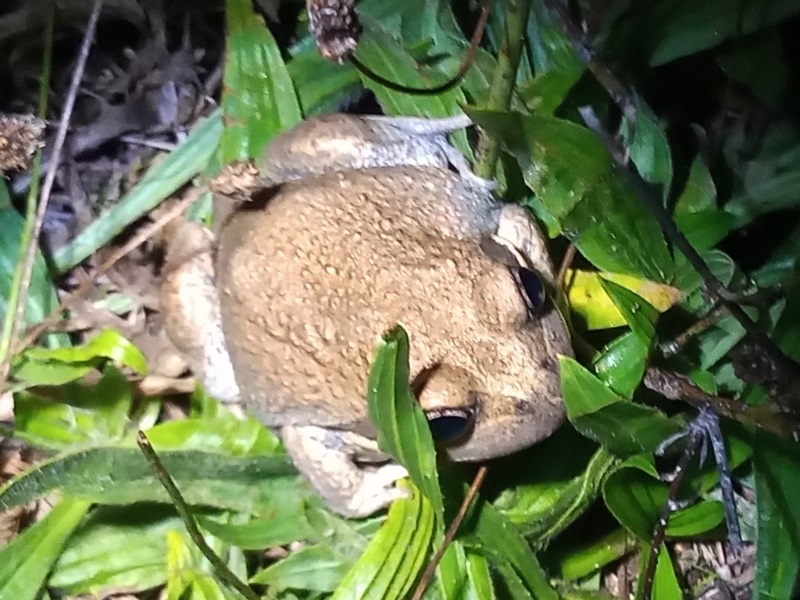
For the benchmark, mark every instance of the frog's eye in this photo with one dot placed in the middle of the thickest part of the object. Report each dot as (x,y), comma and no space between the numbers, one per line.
(531,288)
(449,424)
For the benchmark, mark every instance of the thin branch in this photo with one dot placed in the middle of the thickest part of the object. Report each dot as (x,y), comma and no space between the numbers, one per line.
(222,569)
(427,576)
(47,186)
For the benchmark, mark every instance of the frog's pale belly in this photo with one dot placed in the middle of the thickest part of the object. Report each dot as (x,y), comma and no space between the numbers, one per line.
(390,246)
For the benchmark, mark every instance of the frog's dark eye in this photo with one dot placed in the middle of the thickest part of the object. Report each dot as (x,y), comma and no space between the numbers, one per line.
(531,287)
(449,424)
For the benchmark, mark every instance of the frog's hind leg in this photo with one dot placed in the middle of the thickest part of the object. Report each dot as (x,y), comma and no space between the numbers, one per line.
(324,456)
(191,311)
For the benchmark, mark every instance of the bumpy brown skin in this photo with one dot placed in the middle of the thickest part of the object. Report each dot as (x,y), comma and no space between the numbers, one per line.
(310,277)
(361,226)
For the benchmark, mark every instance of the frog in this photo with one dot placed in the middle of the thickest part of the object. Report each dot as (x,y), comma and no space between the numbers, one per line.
(358,224)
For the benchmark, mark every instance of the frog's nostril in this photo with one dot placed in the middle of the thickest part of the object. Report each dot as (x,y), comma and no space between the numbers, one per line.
(449,424)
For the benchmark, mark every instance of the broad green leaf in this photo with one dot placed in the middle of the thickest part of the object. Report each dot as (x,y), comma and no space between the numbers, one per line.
(285,523)
(699,193)
(189,576)
(317,568)
(82,414)
(771,180)
(178,167)
(504,545)
(555,63)
(108,344)
(395,556)
(621,364)
(575,182)
(117,547)
(686,27)
(26,561)
(646,142)
(403,430)
(589,301)
(665,584)
(322,86)
(590,556)
(42,298)
(600,414)
(544,509)
(114,475)
(640,316)
(223,433)
(705,229)
(259,99)
(635,495)
(777,476)
(381,53)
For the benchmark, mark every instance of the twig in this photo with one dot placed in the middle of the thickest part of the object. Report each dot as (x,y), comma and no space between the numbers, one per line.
(427,575)
(47,186)
(505,77)
(695,437)
(675,386)
(10,329)
(222,570)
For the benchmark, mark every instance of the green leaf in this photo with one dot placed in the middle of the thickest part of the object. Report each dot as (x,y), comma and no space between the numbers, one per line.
(186,161)
(117,547)
(382,54)
(317,568)
(621,364)
(84,413)
(686,27)
(544,509)
(505,546)
(27,559)
(648,147)
(42,298)
(190,577)
(403,430)
(635,495)
(114,475)
(700,193)
(285,523)
(599,413)
(259,99)
(640,315)
(107,344)
(594,205)
(777,475)
(392,561)
(665,583)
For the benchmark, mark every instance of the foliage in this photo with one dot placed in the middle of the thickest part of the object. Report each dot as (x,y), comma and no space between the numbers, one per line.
(534,523)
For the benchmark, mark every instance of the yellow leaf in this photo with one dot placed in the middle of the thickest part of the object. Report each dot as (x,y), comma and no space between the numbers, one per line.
(590,303)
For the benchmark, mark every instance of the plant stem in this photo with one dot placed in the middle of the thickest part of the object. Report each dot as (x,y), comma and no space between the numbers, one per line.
(505,77)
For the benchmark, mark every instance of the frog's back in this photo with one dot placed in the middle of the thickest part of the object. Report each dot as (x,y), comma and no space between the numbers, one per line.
(324,266)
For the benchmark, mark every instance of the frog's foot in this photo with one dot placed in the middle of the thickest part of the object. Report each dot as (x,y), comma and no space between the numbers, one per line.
(325,457)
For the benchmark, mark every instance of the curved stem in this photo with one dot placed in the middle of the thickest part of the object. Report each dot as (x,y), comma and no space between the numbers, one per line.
(505,77)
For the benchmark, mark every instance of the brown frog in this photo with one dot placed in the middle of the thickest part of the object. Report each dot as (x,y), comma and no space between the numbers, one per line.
(362,225)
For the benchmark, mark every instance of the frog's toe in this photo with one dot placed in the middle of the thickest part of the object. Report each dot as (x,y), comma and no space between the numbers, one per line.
(377,490)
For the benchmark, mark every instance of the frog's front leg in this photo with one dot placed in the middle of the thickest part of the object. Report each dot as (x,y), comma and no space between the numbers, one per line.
(326,458)
(191,311)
